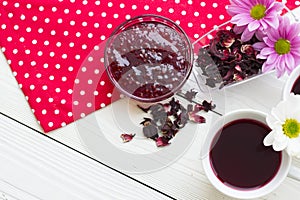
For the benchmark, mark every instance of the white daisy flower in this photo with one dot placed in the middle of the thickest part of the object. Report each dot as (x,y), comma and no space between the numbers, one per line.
(284,121)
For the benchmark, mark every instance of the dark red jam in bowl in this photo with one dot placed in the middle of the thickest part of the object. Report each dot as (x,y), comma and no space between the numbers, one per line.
(296,86)
(148,58)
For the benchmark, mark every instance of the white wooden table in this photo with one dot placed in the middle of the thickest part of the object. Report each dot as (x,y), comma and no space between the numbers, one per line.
(60,165)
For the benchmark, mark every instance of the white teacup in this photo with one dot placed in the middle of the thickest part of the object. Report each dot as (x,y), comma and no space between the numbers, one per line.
(290,82)
(245,193)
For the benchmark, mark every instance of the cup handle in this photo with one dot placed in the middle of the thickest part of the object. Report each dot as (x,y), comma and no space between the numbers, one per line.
(294,173)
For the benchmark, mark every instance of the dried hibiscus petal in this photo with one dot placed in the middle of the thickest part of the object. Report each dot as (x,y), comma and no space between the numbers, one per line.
(162,141)
(150,131)
(190,95)
(196,118)
(208,105)
(127,137)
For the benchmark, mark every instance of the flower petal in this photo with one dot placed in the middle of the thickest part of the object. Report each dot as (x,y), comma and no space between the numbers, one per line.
(267,68)
(290,62)
(293,149)
(272,21)
(269,42)
(234,10)
(272,58)
(269,139)
(254,25)
(279,145)
(259,45)
(241,19)
(247,35)
(239,29)
(267,51)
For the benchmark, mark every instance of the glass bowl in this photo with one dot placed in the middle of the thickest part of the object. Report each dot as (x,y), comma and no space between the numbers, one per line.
(148,58)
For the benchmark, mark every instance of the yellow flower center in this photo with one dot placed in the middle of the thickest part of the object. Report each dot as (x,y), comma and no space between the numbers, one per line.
(282,46)
(258,11)
(291,128)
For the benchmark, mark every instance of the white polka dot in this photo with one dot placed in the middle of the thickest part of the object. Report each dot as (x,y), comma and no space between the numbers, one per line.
(70,114)
(47,20)
(96,71)
(177,22)
(51,100)
(63,101)
(83,69)
(27,51)
(103,14)
(64,56)
(3,26)
(190,24)
(91,14)
(57,90)
(90,35)
(82,115)
(34,41)
(22,39)
(76,103)
(76,81)
(196,36)
(38,75)
(77,57)
(70,68)
(102,37)
(59,20)
(203,26)
(57,66)
(41,8)
(71,44)
(78,34)
(58,44)
(66,33)
(109,95)
(70,91)
(102,83)
(45,65)
(196,14)
(134,7)
(122,5)
(22,17)
(50,124)
(96,47)
(297,3)
(16,27)
(109,26)
(90,81)
(210,36)
(183,12)
(96,93)
(66,11)
(9,39)
(146,7)
(4,3)
(20,62)
(82,92)
(209,16)
(85,2)
(84,46)
(38,100)
(102,105)
(63,124)
(159,9)
(10,15)
(78,12)
(56,111)
(116,16)
(171,10)
(110,4)
(34,18)
(26,75)
(190,2)
(40,30)
(97,3)
(32,87)
(177,1)
(44,111)
(203,4)
(33,63)
(96,25)
(64,79)
(51,77)
(72,23)
(15,51)
(221,17)
(54,9)
(89,105)
(28,6)
(215,5)
(84,24)
(44,87)
(52,54)
(127,17)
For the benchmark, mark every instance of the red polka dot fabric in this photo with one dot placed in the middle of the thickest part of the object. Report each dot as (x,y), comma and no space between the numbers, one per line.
(55,48)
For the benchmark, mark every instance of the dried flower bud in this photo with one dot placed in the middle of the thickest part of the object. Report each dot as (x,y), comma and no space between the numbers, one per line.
(127,137)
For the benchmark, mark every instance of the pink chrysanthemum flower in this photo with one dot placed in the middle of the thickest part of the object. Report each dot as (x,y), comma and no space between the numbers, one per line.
(249,16)
(280,48)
